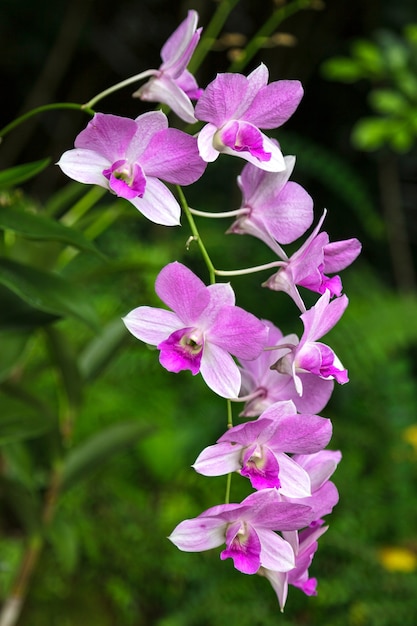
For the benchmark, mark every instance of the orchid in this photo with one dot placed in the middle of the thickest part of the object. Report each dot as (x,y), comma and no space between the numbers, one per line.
(172,83)
(263,386)
(273,209)
(309,355)
(309,265)
(320,466)
(258,449)
(202,331)
(128,157)
(236,107)
(304,544)
(248,531)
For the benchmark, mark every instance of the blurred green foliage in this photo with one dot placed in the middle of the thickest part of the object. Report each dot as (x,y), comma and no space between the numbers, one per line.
(390,65)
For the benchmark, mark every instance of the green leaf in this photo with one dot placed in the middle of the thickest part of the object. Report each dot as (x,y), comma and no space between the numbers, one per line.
(65,361)
(39,227)
(102,349)
(17,315)
(20,173)
(12,345)
(369,56)
(87,457)
(370,133)
(342,69)
(47,292)
(22,424)
(387,101)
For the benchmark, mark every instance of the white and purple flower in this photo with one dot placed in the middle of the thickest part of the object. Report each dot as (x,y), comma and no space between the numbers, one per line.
(248,530)
(310,264)
(308,355)
(129,157)
(236,107)
(273,209)
(258,450)
(172,83)
(202,331)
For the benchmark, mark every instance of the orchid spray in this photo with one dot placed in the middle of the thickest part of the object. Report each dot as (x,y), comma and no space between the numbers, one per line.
(279,382)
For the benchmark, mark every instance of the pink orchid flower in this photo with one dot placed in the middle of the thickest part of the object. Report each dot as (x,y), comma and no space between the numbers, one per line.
(128,157)
(258,450)
(273,209)
(248,531)
(236,107)
(308,354)
(320,466)
(310,264)
(263,386)
(202,331)
(172,83)
(304,544)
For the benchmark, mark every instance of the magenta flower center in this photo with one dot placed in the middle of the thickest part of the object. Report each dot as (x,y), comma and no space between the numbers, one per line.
(126,180)
(260,466)
(243,546)
(242,137)
(182,350)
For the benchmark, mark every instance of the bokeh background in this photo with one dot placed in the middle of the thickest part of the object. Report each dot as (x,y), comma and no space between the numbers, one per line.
(105,559)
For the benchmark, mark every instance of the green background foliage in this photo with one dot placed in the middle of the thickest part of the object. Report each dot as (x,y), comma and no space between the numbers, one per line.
(87,406)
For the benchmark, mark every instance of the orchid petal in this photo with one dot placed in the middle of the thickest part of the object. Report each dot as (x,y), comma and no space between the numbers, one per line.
(279,583)
(179,47)
(322,317)
(173,156)
(205,143)
(147,125)
(85,166)
(158,204)
(151,325)
(166,90)
(239,332)
(108,135)
(219,371)
(276,553)
(243,547)
(340,254)
(274,103)
(182,291)
(200,533)
(221,99)
(295,481)
(219,459)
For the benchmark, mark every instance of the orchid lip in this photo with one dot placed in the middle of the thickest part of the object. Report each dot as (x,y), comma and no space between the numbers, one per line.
(182,350)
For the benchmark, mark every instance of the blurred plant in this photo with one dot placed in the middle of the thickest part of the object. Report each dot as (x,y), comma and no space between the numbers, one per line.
(389,64)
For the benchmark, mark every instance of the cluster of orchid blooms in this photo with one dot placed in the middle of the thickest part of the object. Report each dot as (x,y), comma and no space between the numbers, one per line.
(282,381)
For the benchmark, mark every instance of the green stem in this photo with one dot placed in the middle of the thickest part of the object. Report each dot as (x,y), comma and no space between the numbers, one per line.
(123,83)
(46,107)
(229,476)
(258,40)
(80,208)
(222,214)
(196,236)
(250,270)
